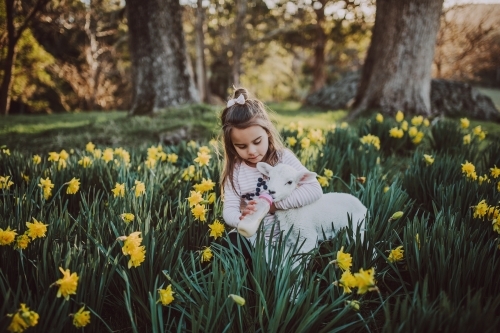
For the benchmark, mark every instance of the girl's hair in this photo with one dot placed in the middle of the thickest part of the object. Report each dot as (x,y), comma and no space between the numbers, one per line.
(252,113)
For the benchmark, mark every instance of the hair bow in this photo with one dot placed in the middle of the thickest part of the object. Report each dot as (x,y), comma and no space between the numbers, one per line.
(240,100)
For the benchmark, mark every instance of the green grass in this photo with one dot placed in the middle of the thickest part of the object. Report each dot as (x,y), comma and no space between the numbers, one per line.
(494,94)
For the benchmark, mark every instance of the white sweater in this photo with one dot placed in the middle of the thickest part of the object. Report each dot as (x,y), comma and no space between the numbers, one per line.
(245,181)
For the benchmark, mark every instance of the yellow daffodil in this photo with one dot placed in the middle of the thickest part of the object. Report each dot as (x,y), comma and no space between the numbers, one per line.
(477,130)
(137,256)
(347,281)
(85,162)
(203,159)
(153,153)
(418,137)
(26,178)
(417,120)
(237,299)
(396,216)
(22,319)
(6,151)
(204,149)
(195,198)
(119,190)
(379,118)
(292,126)
(496,225)
(404,125)
(7,236)
(464,123)
(211,198)
(412,132)
(166,295)
(206,254)
(150,163)
(53,156)
(63,154)
(316,136)
(81,318)
(73,186)
(216,229)
(344,260)
(396,254)
(386,189)
(5,183)
(172,158)
(396,133)
(481,209)
(22,241)
(90,147)
(36,159)
(67,284)
(495,172)
(199,212)
(428,159)
(482,179)
(344,125)
(305,143)
(467,139)
(36,229)
(61,164)
(127,217)
(188,173)
(97,153)
(205,186)
(107,155)
(122,154)
(328,173)
(139,188)
(131,242)
(365,280)
(399,116)
(292,141)
(426,122)
(371,140)
(192,144)
(469,170)
(323,181)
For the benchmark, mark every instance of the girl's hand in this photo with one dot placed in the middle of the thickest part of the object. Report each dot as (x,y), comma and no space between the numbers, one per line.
(249,209)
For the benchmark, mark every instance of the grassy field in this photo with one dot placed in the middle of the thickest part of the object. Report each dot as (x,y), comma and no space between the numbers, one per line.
(494,94)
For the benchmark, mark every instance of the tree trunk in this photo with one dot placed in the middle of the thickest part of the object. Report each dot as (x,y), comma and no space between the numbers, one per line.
(397,70)
(9,59)
(158,53)
(241,12)
(201,71)
(319,77)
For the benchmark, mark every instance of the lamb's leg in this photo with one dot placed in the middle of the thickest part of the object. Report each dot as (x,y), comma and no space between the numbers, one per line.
(308,246)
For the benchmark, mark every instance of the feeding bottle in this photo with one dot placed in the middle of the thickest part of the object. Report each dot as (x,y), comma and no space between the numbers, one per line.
(250,223)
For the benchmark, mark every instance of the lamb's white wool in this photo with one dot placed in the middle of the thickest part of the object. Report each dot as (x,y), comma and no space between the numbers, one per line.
(324,217)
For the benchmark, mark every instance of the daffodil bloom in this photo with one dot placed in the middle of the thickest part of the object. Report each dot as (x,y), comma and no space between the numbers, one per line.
(22,241)
(131,242)
(137,256)
(166,295)
(162,156)
(305,143)
(150,163)
(26,178)
(205,186)
(53,156)
(323,181)
(6,151)
(496,225)
(67,284)
(396,254)
(139,188)
(36,159)
(127,217)
(418,137)
(292,126)
(365,280)
(172,158)
(481,209)
(204,149)
(426,122)
(328,173)
(469,170)
(396,133)
(211,198)
(316,136)
(216,229)
(428,159)
(123,154)
(153,153)
(372,140)
(188,173)
(347,281)
(206,254)
(119,190)
(81,318)
(344,260)
(62,164)
(404,125)
(7,236)
(90,147)
(97,153)
(467,139)
(192,144)
(481,135)
(73,186)
(344,125)
(5,183)
(36,229)
(412,132)
(464,123)
(483,179)
(379,118)
(85,162)
(107,155)
(199,212)
(399,116)
(495,172)
(477,130)
(23,319)
(292,141)
(387,188)
(203,159)
(195,198)
(237,299)
(417,120)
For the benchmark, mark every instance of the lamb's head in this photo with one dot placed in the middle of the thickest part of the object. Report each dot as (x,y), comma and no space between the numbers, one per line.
(283,179)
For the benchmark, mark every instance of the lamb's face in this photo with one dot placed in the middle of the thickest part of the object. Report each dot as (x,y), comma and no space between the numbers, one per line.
(283,179)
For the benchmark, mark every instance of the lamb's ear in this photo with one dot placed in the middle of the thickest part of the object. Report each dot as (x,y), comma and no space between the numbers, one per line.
(264,168)
(306,176)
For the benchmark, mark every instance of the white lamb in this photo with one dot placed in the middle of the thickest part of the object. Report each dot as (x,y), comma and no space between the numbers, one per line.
(326,216)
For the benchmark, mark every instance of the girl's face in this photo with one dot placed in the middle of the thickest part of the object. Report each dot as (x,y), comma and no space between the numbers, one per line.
(250,143)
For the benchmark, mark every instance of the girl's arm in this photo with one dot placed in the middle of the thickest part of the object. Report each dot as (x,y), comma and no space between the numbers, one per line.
(303,195)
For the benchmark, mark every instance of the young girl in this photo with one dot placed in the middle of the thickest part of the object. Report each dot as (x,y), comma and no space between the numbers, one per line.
(250,137)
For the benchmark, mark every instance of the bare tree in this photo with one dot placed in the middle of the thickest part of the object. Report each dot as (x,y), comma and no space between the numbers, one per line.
(25,13)
(397,70)
(201,70)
